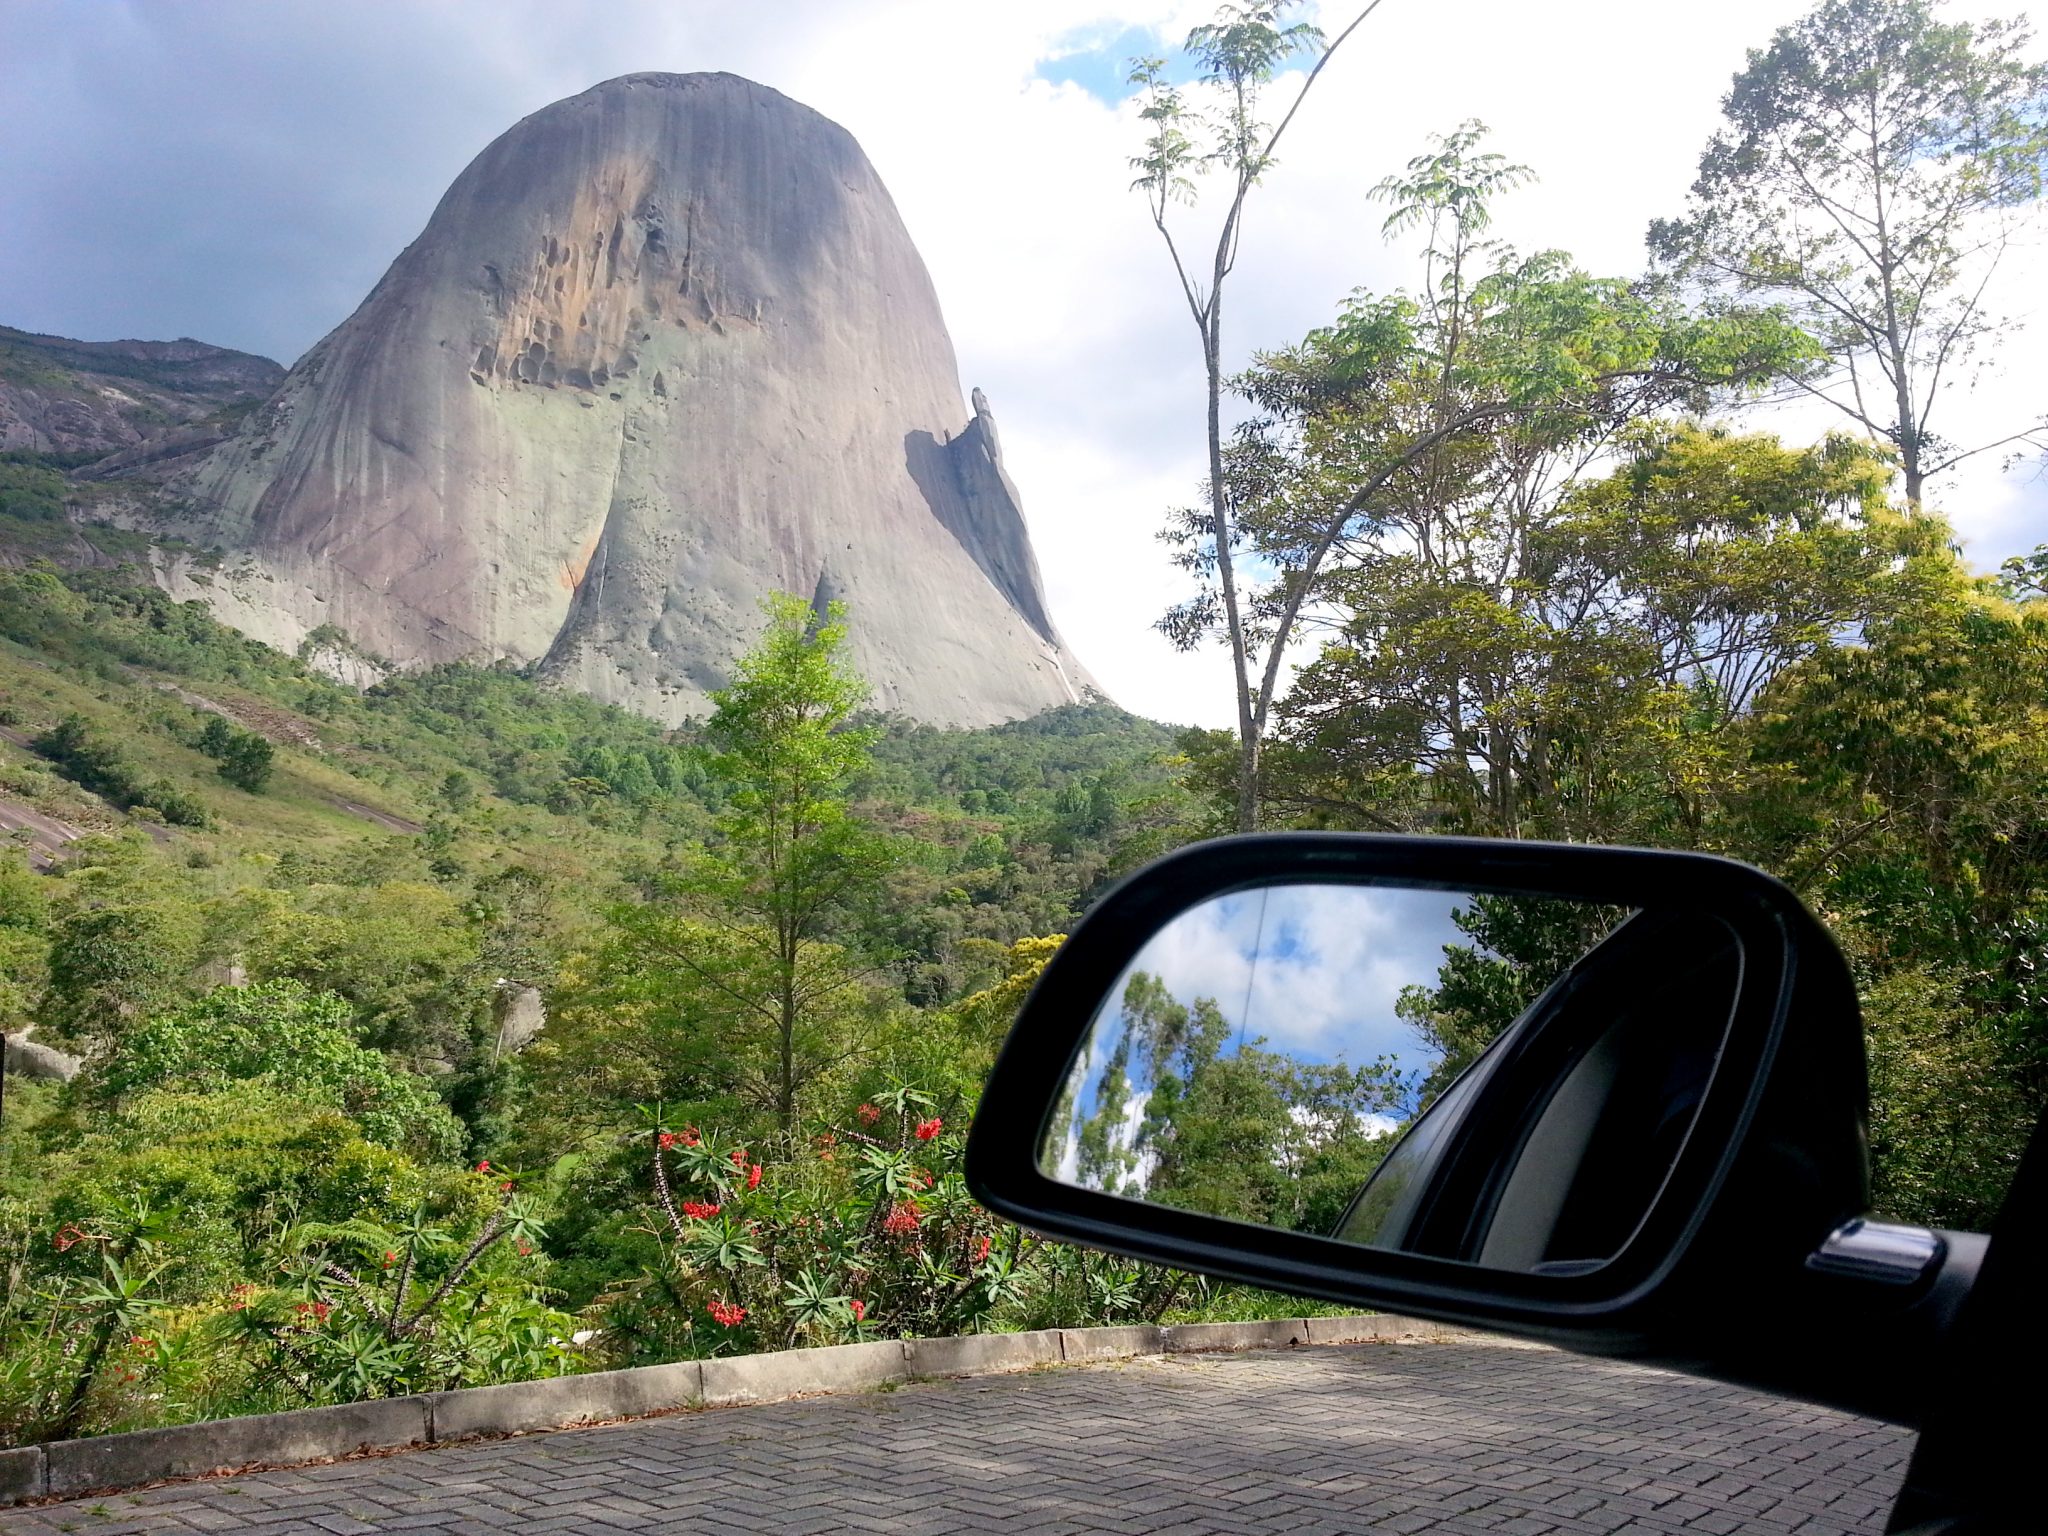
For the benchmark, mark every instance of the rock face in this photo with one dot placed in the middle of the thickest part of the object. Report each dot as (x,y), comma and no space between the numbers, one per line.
(664,347)
(110,397)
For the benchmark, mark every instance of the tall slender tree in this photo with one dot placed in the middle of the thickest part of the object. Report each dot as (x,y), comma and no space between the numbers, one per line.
(1238,55)
(1873,173)
(746,948)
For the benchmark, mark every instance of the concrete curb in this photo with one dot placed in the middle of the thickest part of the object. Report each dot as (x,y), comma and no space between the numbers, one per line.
(561,1401)
(187,1450)
(1380,1328)
(787,1373)
(982,1354)
(108,1463)
(23,1474)
(1196,1338)
(1077,1344)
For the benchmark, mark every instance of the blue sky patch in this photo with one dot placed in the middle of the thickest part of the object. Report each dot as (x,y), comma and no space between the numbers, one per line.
(1098,60)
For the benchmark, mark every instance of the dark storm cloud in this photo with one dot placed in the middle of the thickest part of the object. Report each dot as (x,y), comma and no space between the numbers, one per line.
(243,173)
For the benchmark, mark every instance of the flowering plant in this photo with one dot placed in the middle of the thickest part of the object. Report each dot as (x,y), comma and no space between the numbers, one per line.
(802,1244)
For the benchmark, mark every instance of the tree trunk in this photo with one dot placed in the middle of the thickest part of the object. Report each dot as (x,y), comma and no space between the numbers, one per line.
(1908,431)
(1226,571)
(785,1099)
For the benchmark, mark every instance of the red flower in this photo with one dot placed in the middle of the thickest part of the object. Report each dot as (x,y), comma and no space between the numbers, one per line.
(137,1341)
(869,1114)
(666,1140)
(860,1311)
(525,1248)
(484,1166)
(902,1218)
(506,1186)
(697,1210)
(754,1177)
(929,1181)
(981,1249)
(690,1136)
(68,1237)
(390,1258)
(927,1129)
(727,1314)
(320,1311)
(739,1157)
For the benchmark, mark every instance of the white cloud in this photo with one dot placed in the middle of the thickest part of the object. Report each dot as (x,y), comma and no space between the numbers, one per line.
(1314,969)
(243,172)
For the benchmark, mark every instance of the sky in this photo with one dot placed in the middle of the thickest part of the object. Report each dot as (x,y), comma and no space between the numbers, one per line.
(243,171)
(1308,971)
(1314,970)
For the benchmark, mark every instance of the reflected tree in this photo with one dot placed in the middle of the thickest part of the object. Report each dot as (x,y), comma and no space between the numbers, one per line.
(1179,1113)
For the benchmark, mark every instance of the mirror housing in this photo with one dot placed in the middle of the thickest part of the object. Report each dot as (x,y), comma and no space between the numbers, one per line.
(1730,1269)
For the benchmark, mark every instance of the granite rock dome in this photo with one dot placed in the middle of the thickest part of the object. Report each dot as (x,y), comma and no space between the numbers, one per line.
(663,347)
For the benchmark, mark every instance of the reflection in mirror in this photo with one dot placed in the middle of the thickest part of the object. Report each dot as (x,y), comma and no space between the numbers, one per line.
(1329,1059)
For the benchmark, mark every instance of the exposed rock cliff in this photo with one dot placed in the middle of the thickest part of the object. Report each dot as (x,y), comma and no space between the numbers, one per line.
(100,397)
(662,348)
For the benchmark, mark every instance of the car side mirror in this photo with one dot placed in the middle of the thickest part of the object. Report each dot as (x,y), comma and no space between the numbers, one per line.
(1663,1111)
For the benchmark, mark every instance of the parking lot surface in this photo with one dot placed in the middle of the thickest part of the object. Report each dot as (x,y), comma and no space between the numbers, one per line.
(1428,1437)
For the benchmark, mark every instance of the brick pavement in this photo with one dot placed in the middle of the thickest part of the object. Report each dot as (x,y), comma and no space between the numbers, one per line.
(1467,1437)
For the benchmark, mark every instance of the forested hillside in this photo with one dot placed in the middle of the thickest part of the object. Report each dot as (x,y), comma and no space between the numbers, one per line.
(302,934)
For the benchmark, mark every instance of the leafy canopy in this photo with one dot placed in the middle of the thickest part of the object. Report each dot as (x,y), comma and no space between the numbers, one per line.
(1871,175)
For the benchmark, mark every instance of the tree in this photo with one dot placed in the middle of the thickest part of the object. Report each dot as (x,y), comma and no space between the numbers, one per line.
(1572,669)
(24,944)
(112,965)
(750,926)
(298,1040)
(92,760)
(1182,1115)
(1567,660)
(1238,55)
(403,953)
(1499,379)
(215,736)
(1900,783)
(246,762)
(1871,176)
(1520,946)
(2024,578)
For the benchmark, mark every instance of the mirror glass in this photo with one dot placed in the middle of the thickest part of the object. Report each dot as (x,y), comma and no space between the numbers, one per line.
(1502,1079)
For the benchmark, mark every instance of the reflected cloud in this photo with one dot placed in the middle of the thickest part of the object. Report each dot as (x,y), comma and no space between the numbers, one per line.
(1315,969)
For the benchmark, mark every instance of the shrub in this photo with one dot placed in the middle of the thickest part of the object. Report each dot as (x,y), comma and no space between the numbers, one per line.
(93,761)
(245,758)
(298,1040)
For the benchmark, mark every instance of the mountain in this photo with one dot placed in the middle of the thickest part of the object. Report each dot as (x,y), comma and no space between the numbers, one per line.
(81,399)
(662,348)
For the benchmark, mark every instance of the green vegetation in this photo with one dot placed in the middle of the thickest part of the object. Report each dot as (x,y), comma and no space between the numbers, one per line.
(97,764)
(1551,598)
(1868,178)
(245,758)
(326,1146)
(1250,1133)
(301,1167)
(30,492)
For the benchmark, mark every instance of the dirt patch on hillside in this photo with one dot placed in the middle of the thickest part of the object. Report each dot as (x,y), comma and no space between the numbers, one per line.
(370,813)
(44,836)
(265,720)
